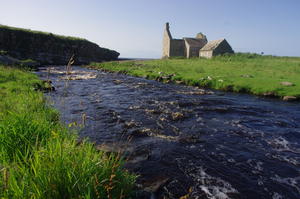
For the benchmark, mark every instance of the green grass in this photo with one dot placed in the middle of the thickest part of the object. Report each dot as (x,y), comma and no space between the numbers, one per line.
(3,27)
(250,73)
(39,158)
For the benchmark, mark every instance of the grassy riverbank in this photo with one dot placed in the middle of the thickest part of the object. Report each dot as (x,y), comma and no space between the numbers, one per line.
(39,158)
(250,73)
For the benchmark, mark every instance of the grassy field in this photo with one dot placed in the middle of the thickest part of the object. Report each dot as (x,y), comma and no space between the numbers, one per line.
(250,73)
(39,158)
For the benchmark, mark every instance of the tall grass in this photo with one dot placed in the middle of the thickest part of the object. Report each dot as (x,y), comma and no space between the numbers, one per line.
(64,169)
(240,72)
(39,158)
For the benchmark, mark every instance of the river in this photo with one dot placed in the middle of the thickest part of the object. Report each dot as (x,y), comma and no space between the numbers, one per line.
(185,141)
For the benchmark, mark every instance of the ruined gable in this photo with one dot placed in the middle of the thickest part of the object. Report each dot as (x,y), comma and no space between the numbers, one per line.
(215,47)
(166,41)
(172,47)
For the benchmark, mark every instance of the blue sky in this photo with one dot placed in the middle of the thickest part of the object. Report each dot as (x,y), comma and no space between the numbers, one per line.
(135,27)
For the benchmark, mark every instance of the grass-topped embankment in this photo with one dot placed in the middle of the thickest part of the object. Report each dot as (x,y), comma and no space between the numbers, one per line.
(50,49)
(250,73)
(39,158)
(41,33)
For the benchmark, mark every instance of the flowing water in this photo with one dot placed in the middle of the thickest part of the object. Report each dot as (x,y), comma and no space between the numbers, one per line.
(185,141)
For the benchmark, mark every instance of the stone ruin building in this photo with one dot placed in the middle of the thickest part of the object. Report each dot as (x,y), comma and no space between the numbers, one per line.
(193,47)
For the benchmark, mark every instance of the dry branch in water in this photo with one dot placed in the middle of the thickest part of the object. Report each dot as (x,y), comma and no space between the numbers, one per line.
(69,65)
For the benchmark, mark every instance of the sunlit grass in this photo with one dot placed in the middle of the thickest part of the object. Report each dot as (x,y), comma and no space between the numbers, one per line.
(249,73)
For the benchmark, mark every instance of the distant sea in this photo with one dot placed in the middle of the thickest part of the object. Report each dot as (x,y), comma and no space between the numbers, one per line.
(131,58)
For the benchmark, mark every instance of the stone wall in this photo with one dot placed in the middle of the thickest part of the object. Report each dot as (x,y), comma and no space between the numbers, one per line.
(48,48)
(194,52)
(166,42)
(177,48)
(172,47)
(207,53)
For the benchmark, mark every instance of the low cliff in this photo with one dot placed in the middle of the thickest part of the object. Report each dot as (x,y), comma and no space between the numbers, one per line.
(48,48)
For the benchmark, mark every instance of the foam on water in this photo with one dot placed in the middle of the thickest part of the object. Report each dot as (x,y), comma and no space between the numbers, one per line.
(257,165)
(277,196)
(286,158)
(213,187)
(281,144)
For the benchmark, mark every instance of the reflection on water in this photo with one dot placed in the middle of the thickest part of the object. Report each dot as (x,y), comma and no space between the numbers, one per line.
(186,141)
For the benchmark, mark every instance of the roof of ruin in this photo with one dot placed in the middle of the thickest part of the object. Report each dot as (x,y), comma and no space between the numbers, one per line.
(193,42)
(211,45)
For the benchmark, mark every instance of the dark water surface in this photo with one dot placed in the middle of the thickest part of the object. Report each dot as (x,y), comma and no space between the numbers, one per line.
(184,140)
